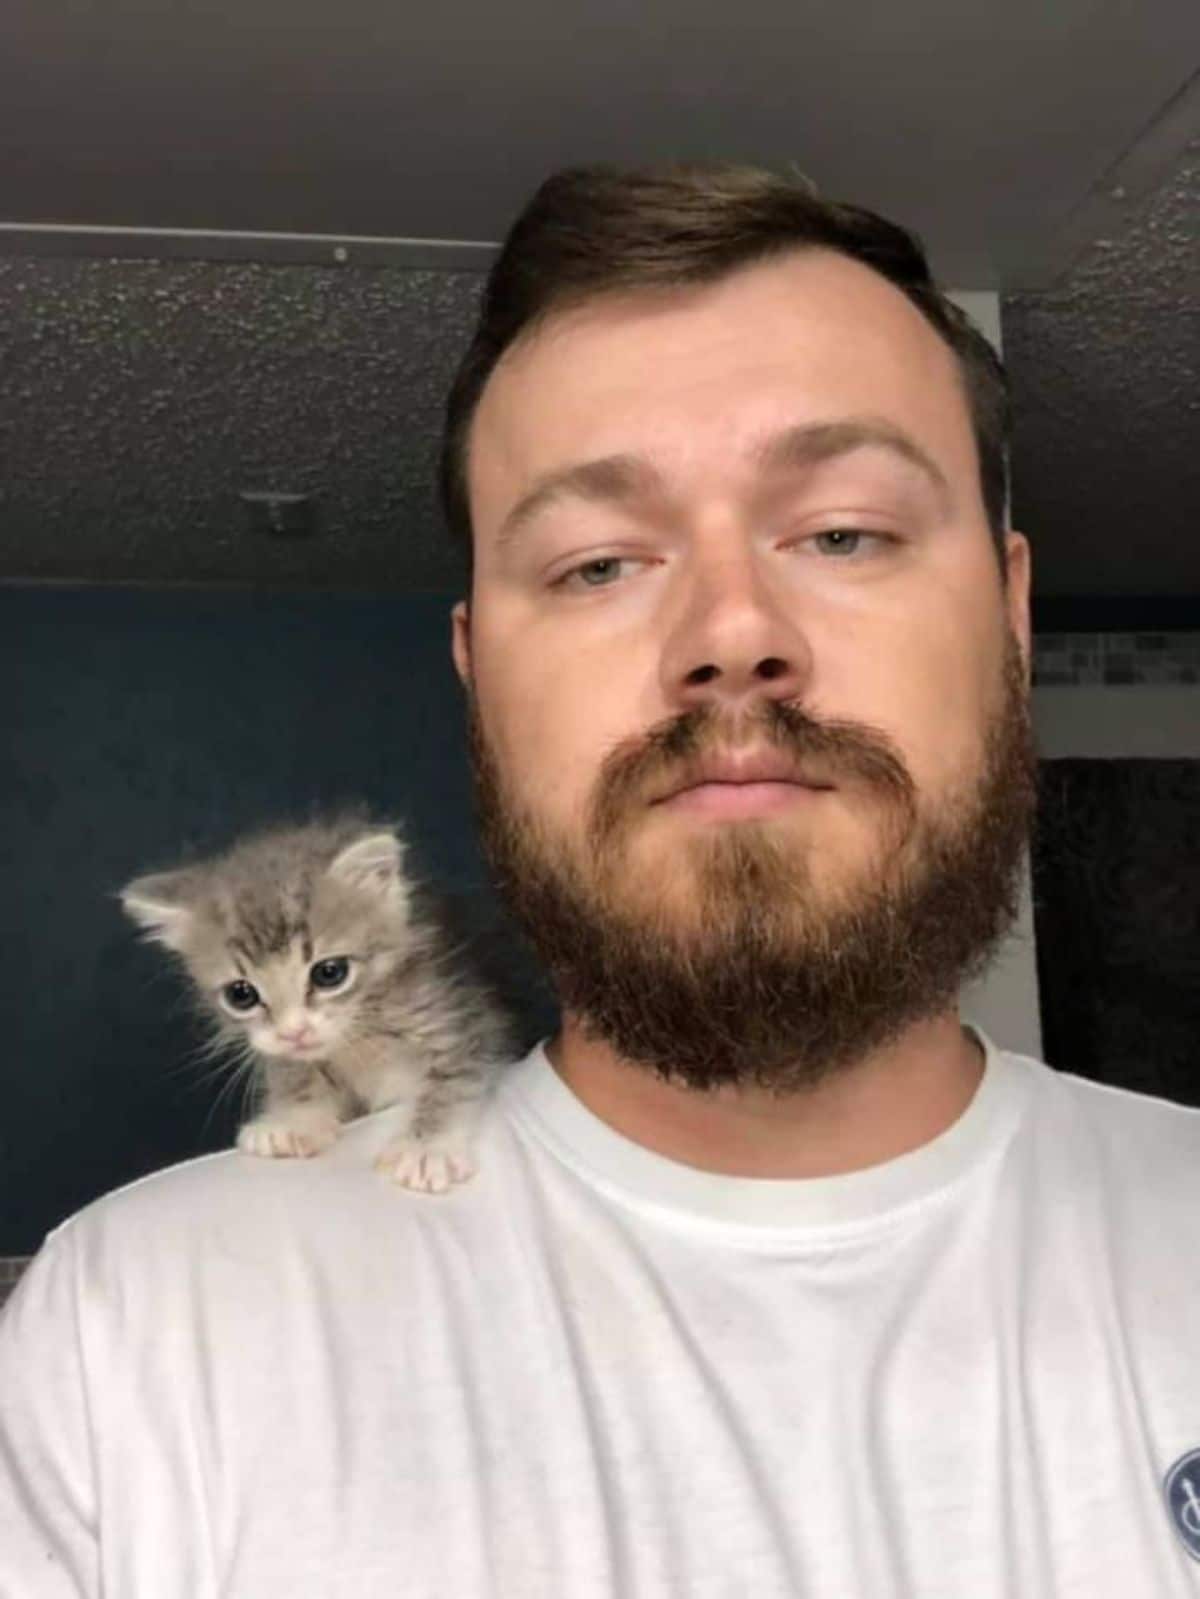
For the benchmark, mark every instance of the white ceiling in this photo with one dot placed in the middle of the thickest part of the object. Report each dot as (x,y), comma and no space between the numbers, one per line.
(989,125)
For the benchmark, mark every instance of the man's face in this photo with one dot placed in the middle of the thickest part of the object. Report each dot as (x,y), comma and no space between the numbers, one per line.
(747,688)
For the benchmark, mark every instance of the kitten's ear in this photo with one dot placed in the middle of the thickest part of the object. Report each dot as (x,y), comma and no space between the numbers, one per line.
(160,904)
(374,863)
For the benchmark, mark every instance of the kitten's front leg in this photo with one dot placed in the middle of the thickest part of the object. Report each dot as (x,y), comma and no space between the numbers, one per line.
(437,1148)
(299,1118)
(425,1165)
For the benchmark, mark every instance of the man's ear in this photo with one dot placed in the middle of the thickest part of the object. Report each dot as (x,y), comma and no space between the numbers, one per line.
(460,641)
(1018,566)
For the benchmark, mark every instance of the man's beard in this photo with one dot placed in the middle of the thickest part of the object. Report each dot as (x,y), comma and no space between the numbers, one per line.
(755,977)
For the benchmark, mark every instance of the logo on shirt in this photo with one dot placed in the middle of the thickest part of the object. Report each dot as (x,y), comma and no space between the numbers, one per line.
(1182,1488)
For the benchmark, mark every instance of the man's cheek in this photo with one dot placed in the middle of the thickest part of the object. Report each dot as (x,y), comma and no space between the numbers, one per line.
(538,753)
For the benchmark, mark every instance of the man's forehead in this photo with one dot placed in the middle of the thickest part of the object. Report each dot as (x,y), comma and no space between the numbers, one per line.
(805,296)
(810,338)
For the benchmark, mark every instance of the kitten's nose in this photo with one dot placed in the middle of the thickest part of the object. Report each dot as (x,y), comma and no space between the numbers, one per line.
(297,1036)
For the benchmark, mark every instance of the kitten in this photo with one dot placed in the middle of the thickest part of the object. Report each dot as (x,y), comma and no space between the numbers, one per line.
(312,949)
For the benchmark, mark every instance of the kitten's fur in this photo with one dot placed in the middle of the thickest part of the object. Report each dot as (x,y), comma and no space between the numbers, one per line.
(283,909)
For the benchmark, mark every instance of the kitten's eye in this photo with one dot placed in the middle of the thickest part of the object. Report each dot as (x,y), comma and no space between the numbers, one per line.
(240,995)
(330,973)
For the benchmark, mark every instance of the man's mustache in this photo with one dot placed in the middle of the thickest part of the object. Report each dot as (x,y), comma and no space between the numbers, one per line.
(844,752)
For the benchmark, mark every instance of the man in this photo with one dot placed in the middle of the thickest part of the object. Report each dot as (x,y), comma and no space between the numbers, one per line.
(774,1280)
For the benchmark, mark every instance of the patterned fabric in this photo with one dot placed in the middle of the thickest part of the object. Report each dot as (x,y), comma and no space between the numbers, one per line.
(1116,874)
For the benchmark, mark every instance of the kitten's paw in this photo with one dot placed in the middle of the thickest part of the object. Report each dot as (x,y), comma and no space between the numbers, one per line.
(279,1137)
(426,1168)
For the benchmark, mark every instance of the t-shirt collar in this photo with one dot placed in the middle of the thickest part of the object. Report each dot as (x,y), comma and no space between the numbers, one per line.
(546,1109)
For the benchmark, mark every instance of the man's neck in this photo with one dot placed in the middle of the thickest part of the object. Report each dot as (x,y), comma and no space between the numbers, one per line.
(891,1102)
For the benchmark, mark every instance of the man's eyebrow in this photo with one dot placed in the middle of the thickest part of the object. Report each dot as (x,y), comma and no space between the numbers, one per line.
(808,444)
(617,479)
(611,479)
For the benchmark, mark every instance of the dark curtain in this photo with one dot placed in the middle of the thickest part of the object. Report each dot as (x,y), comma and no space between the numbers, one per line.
(1116,874)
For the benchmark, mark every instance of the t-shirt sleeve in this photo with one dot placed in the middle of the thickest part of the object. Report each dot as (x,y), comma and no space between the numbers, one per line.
(48,1541)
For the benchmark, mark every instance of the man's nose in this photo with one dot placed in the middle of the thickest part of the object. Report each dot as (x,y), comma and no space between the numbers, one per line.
(736,640)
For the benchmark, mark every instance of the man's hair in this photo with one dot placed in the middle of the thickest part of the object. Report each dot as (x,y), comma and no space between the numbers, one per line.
(594,231)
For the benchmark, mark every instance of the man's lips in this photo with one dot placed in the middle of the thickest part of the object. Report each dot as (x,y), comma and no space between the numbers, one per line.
(761,771)
(741,801)
(733,785)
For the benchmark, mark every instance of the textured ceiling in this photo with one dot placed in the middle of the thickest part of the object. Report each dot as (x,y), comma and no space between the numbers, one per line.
(1055,145)
(1106,382)
(141,398)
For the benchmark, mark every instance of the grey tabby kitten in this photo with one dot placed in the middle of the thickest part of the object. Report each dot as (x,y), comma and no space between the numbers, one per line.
(313,953)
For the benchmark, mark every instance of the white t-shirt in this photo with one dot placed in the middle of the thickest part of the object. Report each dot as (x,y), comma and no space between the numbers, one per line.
(963,1374)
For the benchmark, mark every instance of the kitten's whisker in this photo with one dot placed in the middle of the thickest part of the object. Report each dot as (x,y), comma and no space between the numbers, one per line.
(241,1076)
(248,1104)
(207,1058)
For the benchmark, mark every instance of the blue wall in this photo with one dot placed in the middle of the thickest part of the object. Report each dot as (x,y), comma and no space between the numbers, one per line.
(143,724)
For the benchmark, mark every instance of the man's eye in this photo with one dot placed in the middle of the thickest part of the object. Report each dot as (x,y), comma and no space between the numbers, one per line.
(597,574)
(845,541)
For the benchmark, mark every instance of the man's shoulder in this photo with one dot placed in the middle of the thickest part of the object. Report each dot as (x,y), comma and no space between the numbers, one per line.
(230,1199)
(1111,1102)
(1154,1139)
(227,1204)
